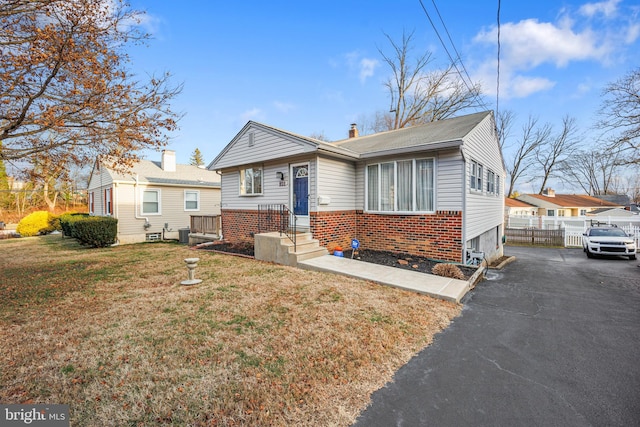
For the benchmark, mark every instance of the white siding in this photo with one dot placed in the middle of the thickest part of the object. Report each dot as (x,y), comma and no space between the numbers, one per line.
(272,191)
(449,181)
(337,181)
(127,202)
(267,145)
(483,211)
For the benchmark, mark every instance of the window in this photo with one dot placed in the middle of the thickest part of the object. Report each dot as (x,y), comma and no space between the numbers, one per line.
(151,202)
(583,212)
(108,201)
(92,206)
(250,181)
(560,212)
(551,212)
(477,172)
(405,186)
(497,184)
(191,200)
(491,182)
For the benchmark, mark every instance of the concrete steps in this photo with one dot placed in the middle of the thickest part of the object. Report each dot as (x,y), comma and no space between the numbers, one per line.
(277,248)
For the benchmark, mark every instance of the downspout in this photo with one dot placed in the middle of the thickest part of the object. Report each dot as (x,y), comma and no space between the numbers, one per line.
(147,224)
(464,206)
(116,211)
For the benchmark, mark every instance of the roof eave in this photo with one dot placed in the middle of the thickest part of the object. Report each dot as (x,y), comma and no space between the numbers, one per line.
(432,146)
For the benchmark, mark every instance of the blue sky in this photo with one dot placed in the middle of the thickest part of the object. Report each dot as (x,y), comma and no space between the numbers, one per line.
(314,67)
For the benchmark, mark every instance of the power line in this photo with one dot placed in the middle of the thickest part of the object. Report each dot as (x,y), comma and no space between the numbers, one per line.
(480,101)
(498,66)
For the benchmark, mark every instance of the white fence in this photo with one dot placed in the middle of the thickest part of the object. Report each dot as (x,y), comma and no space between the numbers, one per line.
(574,226)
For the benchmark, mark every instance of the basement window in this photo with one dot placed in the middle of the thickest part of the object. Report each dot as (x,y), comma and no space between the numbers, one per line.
(153,237)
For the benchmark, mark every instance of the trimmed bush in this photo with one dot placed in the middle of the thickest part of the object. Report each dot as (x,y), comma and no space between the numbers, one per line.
(96,231)
(67,221)
(39,222)
(448,270)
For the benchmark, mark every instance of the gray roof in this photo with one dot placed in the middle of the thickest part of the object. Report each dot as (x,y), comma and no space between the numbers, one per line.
(186,175)
(437,133)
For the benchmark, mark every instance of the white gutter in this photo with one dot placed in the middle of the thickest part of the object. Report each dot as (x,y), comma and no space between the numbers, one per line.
(464,206)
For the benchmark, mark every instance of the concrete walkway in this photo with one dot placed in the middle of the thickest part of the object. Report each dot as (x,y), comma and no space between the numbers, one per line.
(428,284)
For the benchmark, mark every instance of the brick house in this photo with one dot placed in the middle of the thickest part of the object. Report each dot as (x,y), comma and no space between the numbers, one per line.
(434,190)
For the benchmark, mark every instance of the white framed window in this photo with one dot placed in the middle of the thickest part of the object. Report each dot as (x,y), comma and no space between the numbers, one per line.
(583,212)
(108,201)
(401,186)
(477,172)
(560,212)
(251,181)
(92,206)
(191,200)
(491,182)
(151,202)
(551,212)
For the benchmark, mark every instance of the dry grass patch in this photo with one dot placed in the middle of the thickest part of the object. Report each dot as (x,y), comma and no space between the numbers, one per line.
(111,333)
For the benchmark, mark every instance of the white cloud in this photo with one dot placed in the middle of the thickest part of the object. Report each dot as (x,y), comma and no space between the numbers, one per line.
(252,114)
(367,68)
(283,107)
(364,67)
(606,8)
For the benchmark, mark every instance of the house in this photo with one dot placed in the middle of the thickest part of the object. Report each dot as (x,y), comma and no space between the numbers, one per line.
(153,200)
(612,211)
(518,207)
(434,190)
(564,205)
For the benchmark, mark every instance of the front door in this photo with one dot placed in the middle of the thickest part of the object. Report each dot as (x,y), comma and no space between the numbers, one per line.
(300,194)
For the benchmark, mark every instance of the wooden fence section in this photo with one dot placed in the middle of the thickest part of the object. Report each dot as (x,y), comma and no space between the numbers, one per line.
(535,236)
(206,224)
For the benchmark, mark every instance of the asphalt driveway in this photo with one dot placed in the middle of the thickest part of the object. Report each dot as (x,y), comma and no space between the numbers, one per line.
(551,340)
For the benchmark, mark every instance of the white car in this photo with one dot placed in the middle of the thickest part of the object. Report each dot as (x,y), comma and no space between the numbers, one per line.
(608,240)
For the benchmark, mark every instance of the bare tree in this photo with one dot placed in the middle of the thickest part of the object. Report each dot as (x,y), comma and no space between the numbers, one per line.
(504,124)
(620,112)
(419,95)
(523,150)
(550,155)
(65,91)
(596,172)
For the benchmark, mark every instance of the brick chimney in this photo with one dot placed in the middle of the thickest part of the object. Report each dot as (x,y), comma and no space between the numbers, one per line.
(168,160)
(353,132)
(549,192)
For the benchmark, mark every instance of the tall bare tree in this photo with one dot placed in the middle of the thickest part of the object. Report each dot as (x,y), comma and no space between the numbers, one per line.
(522,152)
(594,171)
(419,95)
(504,124)
(65,90)
(550,155)
(620,114)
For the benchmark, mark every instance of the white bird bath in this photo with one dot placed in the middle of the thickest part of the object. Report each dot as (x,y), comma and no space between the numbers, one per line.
(192,263)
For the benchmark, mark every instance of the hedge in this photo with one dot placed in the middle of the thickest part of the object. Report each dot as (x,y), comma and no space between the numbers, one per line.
(67,221)
(39,222)
(96,231)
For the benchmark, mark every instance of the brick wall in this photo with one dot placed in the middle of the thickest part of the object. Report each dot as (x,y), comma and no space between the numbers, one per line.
(239,225)
(333,228)
(437,236)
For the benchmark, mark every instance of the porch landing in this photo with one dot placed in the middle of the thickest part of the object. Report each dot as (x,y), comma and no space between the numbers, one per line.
(428,284)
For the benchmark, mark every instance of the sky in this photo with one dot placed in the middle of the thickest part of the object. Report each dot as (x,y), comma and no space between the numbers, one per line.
(314,67)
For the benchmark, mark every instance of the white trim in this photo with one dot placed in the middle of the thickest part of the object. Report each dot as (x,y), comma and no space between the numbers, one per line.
(197,209)
(159,192)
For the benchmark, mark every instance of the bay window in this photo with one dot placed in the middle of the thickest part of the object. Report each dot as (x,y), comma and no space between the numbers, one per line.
(401,186)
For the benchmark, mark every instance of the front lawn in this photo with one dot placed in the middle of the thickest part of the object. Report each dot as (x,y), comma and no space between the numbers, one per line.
(111,333)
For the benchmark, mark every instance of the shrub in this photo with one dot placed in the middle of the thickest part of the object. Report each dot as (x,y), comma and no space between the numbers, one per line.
(96,231)
(67,221)
(39,222)
(448,270)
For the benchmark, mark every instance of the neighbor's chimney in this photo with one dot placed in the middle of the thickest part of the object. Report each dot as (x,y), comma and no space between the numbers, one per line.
(353,132)
(549,192)
(168,160)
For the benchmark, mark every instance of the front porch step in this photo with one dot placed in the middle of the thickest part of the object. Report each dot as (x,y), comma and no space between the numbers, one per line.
(277,248)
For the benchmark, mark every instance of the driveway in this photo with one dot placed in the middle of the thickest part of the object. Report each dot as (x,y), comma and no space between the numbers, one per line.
(551,340)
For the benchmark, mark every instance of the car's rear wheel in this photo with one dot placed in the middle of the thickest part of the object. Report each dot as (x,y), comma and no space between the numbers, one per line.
(589,253)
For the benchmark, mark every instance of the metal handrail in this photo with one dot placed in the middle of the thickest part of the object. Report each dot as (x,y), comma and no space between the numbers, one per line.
(277,218)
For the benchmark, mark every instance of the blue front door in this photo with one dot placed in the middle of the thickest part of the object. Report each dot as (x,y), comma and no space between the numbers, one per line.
(301,190)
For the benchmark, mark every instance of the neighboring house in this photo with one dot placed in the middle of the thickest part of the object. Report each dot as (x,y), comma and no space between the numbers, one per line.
(564,205)
(518,207)
(434,190)
(611,211)
(153,200)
